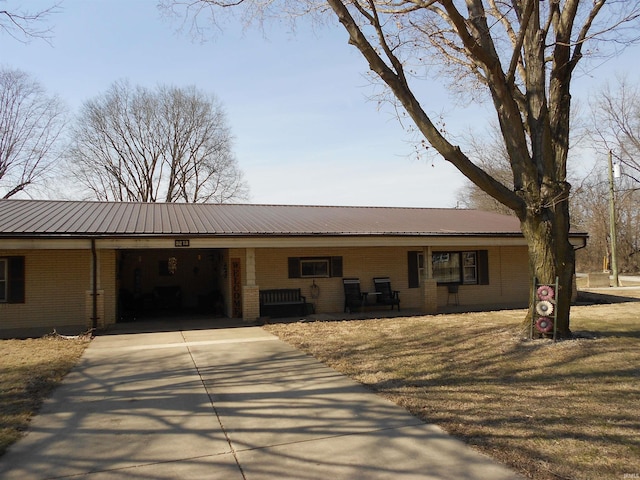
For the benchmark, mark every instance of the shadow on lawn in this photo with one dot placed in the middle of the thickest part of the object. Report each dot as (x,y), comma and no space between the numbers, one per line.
(559,403)
(597,298)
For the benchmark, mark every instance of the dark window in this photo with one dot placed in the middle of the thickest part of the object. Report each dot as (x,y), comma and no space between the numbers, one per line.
(314,267)
(12,279)
(467,267)
(446,267)
(163,268)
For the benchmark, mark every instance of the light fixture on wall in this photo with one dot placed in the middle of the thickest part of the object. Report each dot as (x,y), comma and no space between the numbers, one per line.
(315,290)
(172,265)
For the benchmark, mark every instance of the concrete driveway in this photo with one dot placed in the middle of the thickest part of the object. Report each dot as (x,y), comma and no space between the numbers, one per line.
(230,403)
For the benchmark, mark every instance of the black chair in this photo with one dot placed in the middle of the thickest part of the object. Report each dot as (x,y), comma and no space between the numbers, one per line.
(386,295)
(353,297)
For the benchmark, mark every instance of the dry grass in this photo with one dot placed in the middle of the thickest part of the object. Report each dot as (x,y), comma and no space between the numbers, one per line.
(548,410)
(29,371)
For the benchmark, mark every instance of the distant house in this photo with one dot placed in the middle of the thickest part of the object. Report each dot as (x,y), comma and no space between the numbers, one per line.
(72,265)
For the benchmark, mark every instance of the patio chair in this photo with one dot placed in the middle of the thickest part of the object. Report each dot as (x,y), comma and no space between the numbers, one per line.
(386,296)
(353,298)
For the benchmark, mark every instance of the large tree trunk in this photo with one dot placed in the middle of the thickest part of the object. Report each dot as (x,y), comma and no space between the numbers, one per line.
(551,256)
(535,129)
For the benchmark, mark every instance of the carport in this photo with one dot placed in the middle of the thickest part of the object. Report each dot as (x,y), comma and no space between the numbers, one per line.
(170,282)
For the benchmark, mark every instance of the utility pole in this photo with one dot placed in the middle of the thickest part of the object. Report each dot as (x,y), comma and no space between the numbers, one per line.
(612,225)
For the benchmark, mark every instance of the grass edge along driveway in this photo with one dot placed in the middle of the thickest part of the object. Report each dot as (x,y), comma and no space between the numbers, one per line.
(29,371)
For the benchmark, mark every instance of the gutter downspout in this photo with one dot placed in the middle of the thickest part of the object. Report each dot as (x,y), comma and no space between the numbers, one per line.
(94,286)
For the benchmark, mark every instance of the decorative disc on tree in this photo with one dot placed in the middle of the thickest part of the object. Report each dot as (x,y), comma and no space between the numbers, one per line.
(544,307)
(546,292)
(544,324)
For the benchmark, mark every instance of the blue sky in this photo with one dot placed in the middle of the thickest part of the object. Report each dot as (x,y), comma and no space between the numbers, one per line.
(307,130)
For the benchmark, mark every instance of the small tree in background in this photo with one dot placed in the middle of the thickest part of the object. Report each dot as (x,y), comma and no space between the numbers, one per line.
(169,144)
(614,126)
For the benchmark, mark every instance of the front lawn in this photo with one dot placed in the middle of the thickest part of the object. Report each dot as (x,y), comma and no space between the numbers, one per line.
(29,371)
(548,410)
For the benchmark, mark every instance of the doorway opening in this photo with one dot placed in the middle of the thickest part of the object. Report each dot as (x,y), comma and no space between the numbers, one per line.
(171,282)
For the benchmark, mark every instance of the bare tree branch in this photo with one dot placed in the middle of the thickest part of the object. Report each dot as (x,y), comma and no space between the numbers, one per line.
(25,25)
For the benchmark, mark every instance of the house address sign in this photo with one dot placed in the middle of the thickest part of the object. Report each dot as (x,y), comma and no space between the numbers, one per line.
(182,243)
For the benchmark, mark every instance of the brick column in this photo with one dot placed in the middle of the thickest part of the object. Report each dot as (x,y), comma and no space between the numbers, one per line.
(250,291)
(250,303)
(429,296)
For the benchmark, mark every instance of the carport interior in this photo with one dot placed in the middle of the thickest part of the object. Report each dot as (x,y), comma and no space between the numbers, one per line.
(159,282)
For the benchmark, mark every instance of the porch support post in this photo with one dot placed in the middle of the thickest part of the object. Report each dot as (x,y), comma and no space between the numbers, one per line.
(429,285)
(250,291)
(94,296)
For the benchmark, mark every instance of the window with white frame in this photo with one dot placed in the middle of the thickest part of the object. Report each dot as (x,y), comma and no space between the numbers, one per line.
(465,267)
(455,267)
(469,267)
(420,266)
(314,267)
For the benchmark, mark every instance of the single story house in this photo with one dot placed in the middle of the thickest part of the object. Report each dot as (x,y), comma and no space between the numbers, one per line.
(75,265)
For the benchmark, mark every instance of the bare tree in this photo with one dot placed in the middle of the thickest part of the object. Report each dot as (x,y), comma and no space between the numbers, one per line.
(615,125)
(24,25)
(31,124)
(172,144)
(590,211)
(523,54)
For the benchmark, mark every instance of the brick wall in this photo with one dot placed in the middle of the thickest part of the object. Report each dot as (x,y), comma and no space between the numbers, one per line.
(508,275)
(508,280)
(57,283)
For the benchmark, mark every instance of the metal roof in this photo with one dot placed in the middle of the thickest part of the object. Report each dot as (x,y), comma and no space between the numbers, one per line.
(52,218)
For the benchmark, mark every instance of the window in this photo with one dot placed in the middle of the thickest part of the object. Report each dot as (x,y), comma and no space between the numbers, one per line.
(470,268)
(446,267)
(3,279)
(12,280)
(314,267)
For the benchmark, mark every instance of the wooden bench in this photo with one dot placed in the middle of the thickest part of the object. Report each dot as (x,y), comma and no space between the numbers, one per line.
(282,302)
